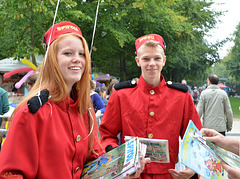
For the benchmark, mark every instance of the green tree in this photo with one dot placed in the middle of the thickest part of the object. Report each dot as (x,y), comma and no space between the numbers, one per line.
(233,64)
(182,23)
(25,22)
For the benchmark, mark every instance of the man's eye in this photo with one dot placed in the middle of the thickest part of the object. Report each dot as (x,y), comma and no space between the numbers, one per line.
(158,58)
(145,59)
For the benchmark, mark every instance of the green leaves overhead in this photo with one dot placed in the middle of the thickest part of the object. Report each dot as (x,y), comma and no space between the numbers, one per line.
(233,63)
(182,23)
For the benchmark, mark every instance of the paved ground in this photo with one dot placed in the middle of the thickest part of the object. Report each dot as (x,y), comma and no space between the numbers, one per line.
(236,125)
(235,132)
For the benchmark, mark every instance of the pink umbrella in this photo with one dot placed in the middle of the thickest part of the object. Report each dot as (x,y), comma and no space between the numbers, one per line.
(221,85)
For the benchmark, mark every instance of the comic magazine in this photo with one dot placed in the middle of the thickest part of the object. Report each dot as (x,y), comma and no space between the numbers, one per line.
(115,163)
(197,157)
(230,158)
(157,149)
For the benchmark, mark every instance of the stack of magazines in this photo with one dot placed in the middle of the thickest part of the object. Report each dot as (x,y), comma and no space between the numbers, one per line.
(117,162)
(157,149)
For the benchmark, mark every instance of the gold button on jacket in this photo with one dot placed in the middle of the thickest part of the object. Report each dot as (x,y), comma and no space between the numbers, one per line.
(151,113)
(152,92)
(150,136)
(78,138)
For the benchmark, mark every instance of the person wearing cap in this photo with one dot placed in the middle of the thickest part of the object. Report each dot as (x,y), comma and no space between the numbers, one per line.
(55,141)
(54,133)
(150,108)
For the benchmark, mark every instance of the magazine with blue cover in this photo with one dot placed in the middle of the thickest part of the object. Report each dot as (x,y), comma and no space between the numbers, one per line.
(197,157)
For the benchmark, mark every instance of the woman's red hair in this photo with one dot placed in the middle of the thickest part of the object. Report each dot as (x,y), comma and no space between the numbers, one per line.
(52,80)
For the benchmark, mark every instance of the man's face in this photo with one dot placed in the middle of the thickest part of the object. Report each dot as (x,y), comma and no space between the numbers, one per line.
(151,60)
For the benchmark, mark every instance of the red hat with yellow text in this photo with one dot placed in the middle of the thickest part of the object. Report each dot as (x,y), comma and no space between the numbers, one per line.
(60,29)
(154,37)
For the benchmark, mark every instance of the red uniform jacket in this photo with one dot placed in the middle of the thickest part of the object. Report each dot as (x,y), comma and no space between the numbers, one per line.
(48,144)
(151,112)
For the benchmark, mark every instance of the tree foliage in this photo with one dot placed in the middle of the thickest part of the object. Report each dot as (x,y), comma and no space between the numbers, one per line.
(182,23)
(233,64)
(25,22)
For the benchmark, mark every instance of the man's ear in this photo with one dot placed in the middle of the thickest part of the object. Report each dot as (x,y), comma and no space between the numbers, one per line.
(164,60)
(137,61)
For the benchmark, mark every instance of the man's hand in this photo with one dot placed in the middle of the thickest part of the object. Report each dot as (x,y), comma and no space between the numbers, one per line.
(213,136)
(233,173)
(140,168)
(186,174)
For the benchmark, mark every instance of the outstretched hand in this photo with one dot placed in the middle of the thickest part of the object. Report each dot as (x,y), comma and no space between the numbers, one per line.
(185,174)
(213,136)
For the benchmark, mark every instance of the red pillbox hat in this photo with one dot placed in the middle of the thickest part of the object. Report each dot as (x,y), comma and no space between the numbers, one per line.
(154,37)
(60,29)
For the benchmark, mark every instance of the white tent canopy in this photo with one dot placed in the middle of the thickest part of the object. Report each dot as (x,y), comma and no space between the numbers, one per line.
(8,64)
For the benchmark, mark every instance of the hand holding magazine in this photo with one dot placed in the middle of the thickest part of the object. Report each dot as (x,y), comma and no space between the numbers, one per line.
(204,157)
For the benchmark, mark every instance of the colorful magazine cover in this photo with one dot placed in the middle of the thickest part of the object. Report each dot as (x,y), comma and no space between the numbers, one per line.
(197,157)
(157,149)
(116,163)
(230,158)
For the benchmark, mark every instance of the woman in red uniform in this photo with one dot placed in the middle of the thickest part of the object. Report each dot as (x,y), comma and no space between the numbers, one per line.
(53,139)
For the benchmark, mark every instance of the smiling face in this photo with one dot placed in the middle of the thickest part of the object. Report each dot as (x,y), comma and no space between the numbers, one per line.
(71,59)
(151,59)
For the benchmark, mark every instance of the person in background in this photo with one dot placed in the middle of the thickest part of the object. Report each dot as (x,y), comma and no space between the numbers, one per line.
(30,81)
(104,88)
(4,108)
(4,102)
(189,89)
(110,89)
(97,101)
(54,133)
(99,90)
(195,96)
(229,144)
(214,105)
(150,108)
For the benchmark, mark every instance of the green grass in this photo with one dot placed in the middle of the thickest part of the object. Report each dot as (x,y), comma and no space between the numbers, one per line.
(235,103)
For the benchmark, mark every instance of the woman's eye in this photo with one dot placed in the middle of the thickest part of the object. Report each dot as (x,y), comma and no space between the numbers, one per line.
(82,54)
(67,53)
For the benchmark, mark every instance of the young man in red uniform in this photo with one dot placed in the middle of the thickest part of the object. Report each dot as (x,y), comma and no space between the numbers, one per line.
(151,108)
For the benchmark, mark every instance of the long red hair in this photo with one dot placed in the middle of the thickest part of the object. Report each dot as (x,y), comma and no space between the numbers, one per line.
(52,80)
